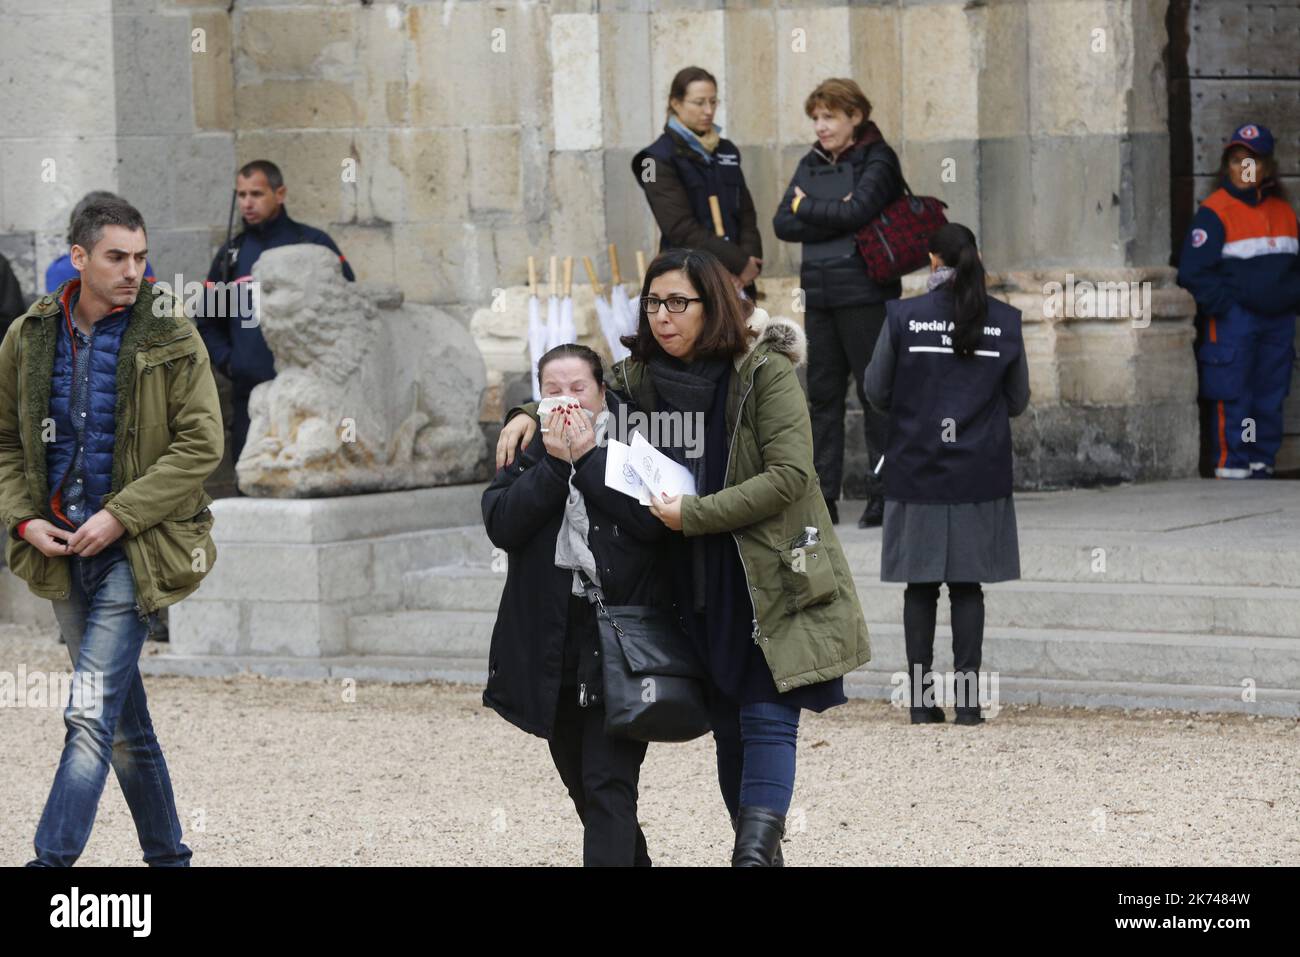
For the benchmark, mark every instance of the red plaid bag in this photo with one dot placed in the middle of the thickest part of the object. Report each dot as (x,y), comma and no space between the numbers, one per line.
(897,241)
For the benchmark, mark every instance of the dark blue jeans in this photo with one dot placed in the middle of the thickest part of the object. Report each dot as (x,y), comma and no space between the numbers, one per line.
(756,761)
(105,634)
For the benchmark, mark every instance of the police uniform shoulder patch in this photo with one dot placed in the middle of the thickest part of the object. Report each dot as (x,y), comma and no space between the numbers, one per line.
(1199,236)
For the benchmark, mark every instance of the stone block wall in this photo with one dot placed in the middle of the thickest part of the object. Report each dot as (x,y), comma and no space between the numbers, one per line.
(443,143)
(121,95)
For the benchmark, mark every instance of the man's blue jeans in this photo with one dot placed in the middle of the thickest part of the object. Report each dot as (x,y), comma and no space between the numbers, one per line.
(105,635)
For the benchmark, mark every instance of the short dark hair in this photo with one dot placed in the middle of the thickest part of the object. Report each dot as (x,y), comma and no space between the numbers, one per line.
(274,178)
(575,350)
(725,333)
(94,196)
(88,225)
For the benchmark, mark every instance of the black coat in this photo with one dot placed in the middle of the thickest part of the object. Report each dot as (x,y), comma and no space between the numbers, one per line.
(678,194)
(522,509)
(12,301)
(841,280)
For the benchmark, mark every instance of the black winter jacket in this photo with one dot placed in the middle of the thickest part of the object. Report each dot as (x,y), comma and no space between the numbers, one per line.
(12,301)
(522,509)
(678,193)
(841,280)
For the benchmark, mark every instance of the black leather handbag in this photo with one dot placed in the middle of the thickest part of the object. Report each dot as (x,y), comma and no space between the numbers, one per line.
(654,679)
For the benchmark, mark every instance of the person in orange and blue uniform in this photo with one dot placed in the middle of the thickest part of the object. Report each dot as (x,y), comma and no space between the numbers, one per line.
(1241,262)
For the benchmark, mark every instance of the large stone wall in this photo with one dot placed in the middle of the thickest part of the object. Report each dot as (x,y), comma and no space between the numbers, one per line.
(119,95)
(481,132)
(442,143)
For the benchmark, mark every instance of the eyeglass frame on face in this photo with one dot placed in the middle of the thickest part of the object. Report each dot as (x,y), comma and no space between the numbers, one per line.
(685,300)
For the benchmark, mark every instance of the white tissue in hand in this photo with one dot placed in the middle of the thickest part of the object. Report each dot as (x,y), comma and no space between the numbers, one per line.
(553,402)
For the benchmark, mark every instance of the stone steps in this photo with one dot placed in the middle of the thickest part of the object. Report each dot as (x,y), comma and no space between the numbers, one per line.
(1106,606)
(1045,555)
(1056,654)
(864,683)
(422,632)
(1177,594)
(1127,558)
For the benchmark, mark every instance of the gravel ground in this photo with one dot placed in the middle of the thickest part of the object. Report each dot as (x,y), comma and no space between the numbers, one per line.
(285,772)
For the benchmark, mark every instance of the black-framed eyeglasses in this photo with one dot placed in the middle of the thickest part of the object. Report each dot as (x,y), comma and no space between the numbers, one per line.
(674,303)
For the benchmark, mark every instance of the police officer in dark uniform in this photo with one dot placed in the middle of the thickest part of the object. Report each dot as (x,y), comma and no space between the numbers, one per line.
(690,165)
(233,338)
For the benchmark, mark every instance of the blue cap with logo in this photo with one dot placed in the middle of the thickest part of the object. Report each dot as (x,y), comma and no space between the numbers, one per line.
(1256,138)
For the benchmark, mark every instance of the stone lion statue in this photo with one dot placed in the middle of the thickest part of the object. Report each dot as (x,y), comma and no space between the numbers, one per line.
(369,395)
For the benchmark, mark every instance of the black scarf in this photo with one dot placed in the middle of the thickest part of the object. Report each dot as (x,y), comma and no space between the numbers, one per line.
(688,388)
(697,389)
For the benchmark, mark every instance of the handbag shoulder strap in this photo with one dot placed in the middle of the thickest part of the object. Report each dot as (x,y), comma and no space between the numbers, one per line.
(907,190)
(591,591)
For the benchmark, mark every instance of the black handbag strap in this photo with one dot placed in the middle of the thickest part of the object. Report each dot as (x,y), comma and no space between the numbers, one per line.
(591,591)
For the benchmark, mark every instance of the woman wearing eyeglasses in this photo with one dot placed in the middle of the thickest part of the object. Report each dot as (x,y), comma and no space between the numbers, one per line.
(689,165)
(760,580)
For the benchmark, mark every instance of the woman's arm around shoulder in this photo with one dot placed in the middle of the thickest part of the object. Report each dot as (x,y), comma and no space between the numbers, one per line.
(524,496)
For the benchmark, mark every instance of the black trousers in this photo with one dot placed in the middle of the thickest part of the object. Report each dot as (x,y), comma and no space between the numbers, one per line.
(920,608)
(840,344)
(239,421)
(601,774)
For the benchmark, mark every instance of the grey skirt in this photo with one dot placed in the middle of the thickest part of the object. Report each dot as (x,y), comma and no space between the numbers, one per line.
(971,542)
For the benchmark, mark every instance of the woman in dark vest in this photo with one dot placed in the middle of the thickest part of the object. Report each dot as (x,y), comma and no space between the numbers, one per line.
(688,164)
(950,369)
(844,307)
(760,580)
(544,668)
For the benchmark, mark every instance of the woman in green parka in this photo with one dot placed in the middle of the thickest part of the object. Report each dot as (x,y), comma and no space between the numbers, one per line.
(762,582)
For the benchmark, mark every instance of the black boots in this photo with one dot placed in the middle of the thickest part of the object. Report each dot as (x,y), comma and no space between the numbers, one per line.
(778,860)
(758,838)
(874,515)
(968,716)
(928,715)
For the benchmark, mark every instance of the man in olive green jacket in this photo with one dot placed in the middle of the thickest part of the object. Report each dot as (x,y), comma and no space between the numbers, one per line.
(102,382)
